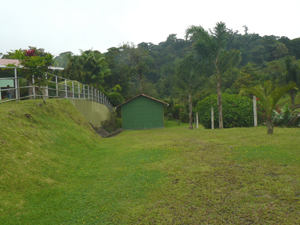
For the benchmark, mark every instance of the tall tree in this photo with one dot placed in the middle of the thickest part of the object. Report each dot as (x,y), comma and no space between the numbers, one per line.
(138,65)
(63,59)
(35,64)
(292,75)
(90,67)
(212,47)
(188,78)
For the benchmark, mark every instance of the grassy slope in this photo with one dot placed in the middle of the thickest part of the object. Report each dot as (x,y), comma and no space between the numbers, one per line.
(53,171)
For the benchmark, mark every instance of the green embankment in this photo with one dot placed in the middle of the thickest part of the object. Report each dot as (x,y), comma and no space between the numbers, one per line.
(55,170)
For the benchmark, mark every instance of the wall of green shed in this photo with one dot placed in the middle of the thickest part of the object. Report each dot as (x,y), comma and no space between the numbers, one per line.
(142,113)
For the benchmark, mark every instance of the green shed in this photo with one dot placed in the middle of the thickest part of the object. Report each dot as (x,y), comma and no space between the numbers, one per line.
(142,112)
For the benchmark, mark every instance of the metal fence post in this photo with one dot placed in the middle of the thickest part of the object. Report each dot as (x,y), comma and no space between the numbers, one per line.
(83,89)
(33,87)
(79,91)
(73,91)
(88,92)
(66,88)
(46,90)
(56,86)
(16,85)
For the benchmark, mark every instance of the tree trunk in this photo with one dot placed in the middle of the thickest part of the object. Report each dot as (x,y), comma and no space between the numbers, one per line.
(30,91)
(220,111)
(41,90)
(269,125)
(190,112)
(293,98)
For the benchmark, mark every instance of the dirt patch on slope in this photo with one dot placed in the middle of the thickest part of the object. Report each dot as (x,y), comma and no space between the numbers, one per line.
(104,133)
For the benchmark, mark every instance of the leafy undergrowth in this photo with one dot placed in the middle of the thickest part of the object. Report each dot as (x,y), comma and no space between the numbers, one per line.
(286,99)
(56,170)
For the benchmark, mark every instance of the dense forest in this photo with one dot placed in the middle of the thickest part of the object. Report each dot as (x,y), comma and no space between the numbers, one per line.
(153,66)
(178,70)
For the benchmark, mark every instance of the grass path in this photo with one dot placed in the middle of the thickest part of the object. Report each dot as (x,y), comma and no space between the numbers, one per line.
(69,175)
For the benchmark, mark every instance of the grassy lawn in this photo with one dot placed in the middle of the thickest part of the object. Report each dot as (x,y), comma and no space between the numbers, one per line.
(55,170)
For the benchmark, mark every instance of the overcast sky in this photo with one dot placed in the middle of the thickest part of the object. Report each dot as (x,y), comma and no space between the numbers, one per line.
(70,25)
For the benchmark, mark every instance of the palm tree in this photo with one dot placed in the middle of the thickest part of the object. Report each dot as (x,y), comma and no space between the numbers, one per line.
(292,75)
(188,78)
(268,95)
(212,48)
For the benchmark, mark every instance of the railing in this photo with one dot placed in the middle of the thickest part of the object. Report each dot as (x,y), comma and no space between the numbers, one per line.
(57,87)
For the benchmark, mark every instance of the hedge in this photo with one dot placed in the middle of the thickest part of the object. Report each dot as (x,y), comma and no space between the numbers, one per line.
(237,111)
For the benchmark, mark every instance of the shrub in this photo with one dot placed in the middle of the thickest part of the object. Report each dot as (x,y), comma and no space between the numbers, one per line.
(169,116)
(110,125)
(237,111)
(115,98)
(184,116)
(283,116)
(177,108)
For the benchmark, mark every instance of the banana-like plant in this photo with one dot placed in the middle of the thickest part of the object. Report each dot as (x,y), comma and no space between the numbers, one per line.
(269,95)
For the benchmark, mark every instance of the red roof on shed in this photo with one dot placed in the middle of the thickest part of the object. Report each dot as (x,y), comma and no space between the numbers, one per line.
(9,61)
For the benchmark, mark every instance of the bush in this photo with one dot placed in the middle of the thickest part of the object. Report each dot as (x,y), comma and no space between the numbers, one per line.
(177,108)
(184,116)
(111,126)
(283,116)
(237,111)
(115,98)
(169,116)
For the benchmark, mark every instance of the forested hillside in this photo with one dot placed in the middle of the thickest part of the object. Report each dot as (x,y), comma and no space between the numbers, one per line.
(165,71)
(154,65)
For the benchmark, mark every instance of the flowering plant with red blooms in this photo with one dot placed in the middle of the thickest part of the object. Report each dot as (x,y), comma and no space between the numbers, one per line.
(277,109)
(261,112)
(30,52)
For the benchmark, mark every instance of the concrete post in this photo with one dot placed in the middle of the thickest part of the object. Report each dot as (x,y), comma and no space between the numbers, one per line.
(212,118)
(254,111)
(197,122)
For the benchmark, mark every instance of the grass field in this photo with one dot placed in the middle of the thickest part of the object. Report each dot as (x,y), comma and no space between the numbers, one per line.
(55,170)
